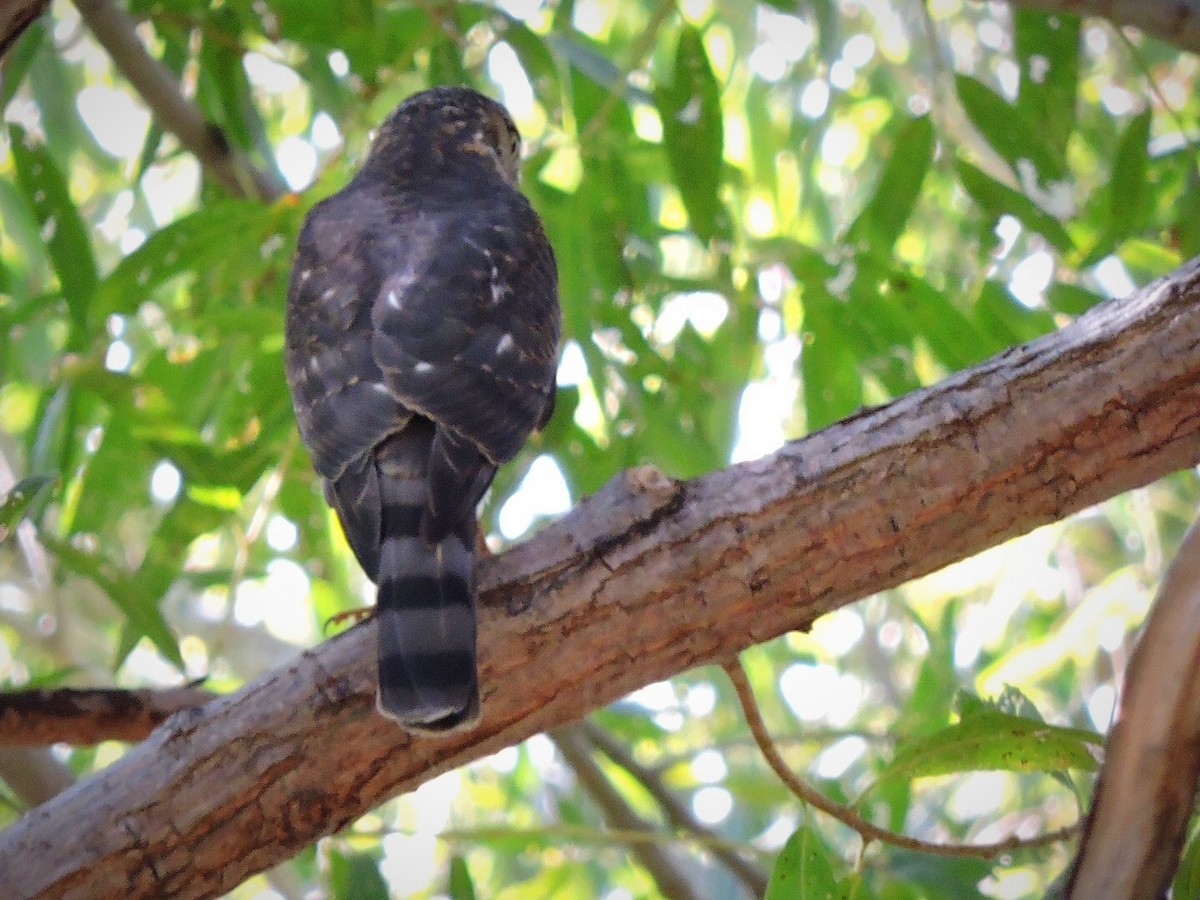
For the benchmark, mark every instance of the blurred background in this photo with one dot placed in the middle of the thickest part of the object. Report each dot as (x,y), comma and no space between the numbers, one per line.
(766,216)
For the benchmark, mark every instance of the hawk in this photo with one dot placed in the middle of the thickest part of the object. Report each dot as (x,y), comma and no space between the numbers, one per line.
(422,338)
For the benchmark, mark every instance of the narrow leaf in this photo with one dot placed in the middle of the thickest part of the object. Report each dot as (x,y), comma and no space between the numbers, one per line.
(803,869)
(140,610)
(17,500)
(187,245)
(1128,190)
(987,739)
(693,134)
(1011,135)
(355,876)
(882,220)
(1187,877)
(829,367)
(1047,51)
(461,885)
(997,199)
(63,231)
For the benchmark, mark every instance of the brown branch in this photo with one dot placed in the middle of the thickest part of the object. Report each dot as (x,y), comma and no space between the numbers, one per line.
(647,578)
(15,17)
(664,867)
(159,88)
(1176,22)
(1147,788)
(848,815)
(675,810)
(39,717)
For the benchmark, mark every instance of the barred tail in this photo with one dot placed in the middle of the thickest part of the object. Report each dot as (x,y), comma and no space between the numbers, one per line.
(425,612)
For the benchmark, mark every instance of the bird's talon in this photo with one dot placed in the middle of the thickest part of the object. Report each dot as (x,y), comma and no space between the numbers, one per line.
(357,614)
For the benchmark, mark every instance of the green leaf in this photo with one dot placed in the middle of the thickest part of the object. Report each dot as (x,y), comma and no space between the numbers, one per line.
(589,59)
(188,245)
(937,877)
(355,876)
(1147,260)
(882,220)
(803,869)
(1070,298)
(18,59)
(461,885)
(1009,132)
(1047,51)
(987,738)
(446,63)
(828,365)
(1187,877)
(997,199)
(139,608)
(63,230)
(694,135)
(18,498)
(1128,190)
(1006,319)
(955,340)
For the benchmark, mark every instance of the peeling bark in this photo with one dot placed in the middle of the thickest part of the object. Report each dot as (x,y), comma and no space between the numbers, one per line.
(646,579)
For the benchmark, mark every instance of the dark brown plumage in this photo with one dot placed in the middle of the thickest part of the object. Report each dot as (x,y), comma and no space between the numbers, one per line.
(422,342)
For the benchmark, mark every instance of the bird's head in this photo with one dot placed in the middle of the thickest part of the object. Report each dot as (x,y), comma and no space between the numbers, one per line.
(447,128)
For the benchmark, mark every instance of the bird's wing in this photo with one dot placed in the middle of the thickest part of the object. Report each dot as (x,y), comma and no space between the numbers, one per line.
(343,403)
(466,322)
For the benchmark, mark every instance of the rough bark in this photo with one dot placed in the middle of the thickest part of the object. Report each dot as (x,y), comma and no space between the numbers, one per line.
(15,17)
(42,716)
(1147,789)
(646,579)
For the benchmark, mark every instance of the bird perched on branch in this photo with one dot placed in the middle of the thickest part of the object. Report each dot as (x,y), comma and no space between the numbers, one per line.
(422,343)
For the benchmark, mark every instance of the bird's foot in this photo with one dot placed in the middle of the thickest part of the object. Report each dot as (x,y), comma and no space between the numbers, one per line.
(354,616)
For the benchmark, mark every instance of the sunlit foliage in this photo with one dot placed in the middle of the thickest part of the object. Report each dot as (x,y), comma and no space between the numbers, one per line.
(766,215)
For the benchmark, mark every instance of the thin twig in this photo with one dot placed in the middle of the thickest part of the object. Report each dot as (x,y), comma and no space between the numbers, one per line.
(849,816)
(572,742)
(675,811)
(1139,60)
(159,88)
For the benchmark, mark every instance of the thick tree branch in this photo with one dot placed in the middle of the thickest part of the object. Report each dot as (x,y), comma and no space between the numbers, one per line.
(15,17)
(1147,788)
(114,29)
(88,715)
(1176,22)
(646,579)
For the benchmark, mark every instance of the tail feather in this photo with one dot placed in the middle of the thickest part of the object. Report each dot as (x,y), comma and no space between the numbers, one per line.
(425,611)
